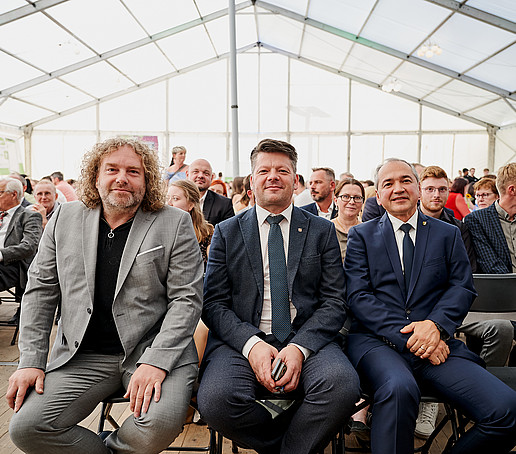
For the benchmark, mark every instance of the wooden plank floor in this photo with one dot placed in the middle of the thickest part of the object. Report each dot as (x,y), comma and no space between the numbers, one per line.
(192,435)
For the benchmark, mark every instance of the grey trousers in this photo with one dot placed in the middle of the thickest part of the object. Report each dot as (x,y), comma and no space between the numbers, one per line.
(496,337)
(47,423)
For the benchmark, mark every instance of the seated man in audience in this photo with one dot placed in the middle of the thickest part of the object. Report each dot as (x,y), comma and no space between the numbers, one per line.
(409,286)
(215,207)
(322,185)
(64,187)
(274,291)
(127,270)
(46,200)
(20,231)
(25,202)
(494,231)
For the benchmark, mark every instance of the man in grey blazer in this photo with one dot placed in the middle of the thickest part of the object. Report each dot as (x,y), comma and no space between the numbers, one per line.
(127,270)
(272,296)
(20,231)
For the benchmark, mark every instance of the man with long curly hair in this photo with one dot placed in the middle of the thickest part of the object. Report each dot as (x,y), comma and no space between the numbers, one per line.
(128,273)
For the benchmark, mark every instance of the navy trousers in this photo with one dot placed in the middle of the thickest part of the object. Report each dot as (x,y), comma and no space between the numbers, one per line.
(227,395)
(395,380)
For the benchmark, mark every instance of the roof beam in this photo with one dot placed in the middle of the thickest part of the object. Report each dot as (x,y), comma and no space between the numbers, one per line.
(136,87)
(120,50)
(387,50)
(476,13)
(376,85)
(27,10)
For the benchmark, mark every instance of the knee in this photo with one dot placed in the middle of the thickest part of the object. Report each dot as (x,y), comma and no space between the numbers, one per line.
(25,431)
(498,329)
(400,389)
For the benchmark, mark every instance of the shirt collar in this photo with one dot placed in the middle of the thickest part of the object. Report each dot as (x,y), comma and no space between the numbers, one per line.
(11,211)
(397,223)
(262,213)
(501,212)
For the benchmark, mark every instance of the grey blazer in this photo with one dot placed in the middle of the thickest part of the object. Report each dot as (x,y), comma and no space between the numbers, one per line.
(157,300)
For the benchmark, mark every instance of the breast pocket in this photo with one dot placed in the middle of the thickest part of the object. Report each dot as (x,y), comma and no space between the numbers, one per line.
(149,255)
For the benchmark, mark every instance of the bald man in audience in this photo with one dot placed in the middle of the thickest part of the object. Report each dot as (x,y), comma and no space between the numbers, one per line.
(46,200)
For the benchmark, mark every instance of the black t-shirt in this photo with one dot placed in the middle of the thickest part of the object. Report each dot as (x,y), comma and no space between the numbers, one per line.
(101,335)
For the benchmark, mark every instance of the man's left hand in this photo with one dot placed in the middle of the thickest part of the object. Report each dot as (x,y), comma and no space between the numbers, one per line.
(145,380)
(293,359)
(425,338)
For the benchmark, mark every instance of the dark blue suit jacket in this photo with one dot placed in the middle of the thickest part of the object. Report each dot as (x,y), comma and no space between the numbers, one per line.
(312,208)
(217,208)
(441,286)
(233,286)
(493,256)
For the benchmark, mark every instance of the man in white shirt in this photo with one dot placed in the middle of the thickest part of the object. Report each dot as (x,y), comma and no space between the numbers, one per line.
(289,308)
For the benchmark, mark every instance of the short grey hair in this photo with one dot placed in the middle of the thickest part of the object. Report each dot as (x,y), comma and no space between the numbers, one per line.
(13,185)
(379,167)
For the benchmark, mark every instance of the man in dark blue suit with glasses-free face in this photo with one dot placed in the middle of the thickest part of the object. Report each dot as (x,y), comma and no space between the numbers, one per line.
(409,286)
(264,304)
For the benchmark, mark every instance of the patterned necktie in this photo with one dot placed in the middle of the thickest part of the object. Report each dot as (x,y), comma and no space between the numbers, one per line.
(408,254)
(280,306)
(2,216)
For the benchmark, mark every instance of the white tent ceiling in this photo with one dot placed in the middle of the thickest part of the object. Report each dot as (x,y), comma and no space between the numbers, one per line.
(62,56)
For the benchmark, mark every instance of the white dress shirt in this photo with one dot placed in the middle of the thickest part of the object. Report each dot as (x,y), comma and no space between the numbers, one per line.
(322,213)
(400,234)
(5,225)
(266,317)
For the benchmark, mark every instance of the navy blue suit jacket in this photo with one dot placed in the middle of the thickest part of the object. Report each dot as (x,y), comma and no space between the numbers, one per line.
(493,256)
(312,208)
(233,285)
(441,287)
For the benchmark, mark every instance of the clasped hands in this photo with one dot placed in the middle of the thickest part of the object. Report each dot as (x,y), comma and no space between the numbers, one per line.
(263,358)
(426,341)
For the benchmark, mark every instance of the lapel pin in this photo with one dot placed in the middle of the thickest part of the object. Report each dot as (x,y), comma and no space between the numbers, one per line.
(424,222)
(300,229)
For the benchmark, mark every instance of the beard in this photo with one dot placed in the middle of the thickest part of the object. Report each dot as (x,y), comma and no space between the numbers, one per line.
(113,201)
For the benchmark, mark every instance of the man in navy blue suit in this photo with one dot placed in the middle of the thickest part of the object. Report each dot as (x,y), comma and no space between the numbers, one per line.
(409,286)
(322,185)
(266,304)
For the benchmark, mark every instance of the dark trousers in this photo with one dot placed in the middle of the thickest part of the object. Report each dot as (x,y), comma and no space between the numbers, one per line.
(227,402)
(395,381)
(9,276)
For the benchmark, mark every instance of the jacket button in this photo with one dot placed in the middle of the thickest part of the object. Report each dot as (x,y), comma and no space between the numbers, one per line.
(76,344)
(88,310)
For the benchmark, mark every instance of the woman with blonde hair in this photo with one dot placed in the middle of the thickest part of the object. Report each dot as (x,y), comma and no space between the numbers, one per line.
(184,194)
(177,168)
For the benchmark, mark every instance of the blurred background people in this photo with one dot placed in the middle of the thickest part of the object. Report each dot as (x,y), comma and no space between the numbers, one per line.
(485,192)
(177,168)
(456,201)
(219,187)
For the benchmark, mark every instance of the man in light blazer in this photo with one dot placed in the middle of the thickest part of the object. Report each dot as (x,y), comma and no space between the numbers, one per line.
(127,270)
(409,286)
(242,292)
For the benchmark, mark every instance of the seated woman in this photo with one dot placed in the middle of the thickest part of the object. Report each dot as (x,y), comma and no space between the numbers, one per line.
(456,200)
(183,194)
(485,192)
(349,198)
(219,187)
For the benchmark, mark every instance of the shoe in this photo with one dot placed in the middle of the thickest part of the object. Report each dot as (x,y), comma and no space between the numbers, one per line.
(104,434)
(425,423)
(360,430)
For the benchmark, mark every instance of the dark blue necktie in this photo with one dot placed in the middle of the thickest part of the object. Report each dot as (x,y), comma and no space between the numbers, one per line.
(280,306)
(408,254)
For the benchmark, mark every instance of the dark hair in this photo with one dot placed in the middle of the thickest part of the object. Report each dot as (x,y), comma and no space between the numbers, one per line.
(238,185)
(458,185)
(301,179)
(58,175)
(347,181)
(465,170)
(274,146)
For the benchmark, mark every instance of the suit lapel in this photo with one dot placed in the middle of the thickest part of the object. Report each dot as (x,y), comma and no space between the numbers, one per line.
(387,231)
(297,236)
(141,224)
(208,204)
(423,228)
(12,222)
(251,237)
(90,236)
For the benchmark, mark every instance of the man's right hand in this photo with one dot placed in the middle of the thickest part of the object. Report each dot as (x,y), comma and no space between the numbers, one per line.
(20,382)
(261,357)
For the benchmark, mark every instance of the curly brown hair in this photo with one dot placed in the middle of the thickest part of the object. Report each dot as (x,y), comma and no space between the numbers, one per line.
(155,196)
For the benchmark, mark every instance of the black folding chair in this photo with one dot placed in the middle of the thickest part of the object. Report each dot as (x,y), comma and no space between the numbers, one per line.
(14,322)
(496,293)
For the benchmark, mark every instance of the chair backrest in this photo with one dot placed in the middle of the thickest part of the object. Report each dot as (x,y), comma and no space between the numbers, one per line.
(496,293)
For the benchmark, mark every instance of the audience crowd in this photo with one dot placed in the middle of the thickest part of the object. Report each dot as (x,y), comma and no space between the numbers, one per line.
(313,292)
